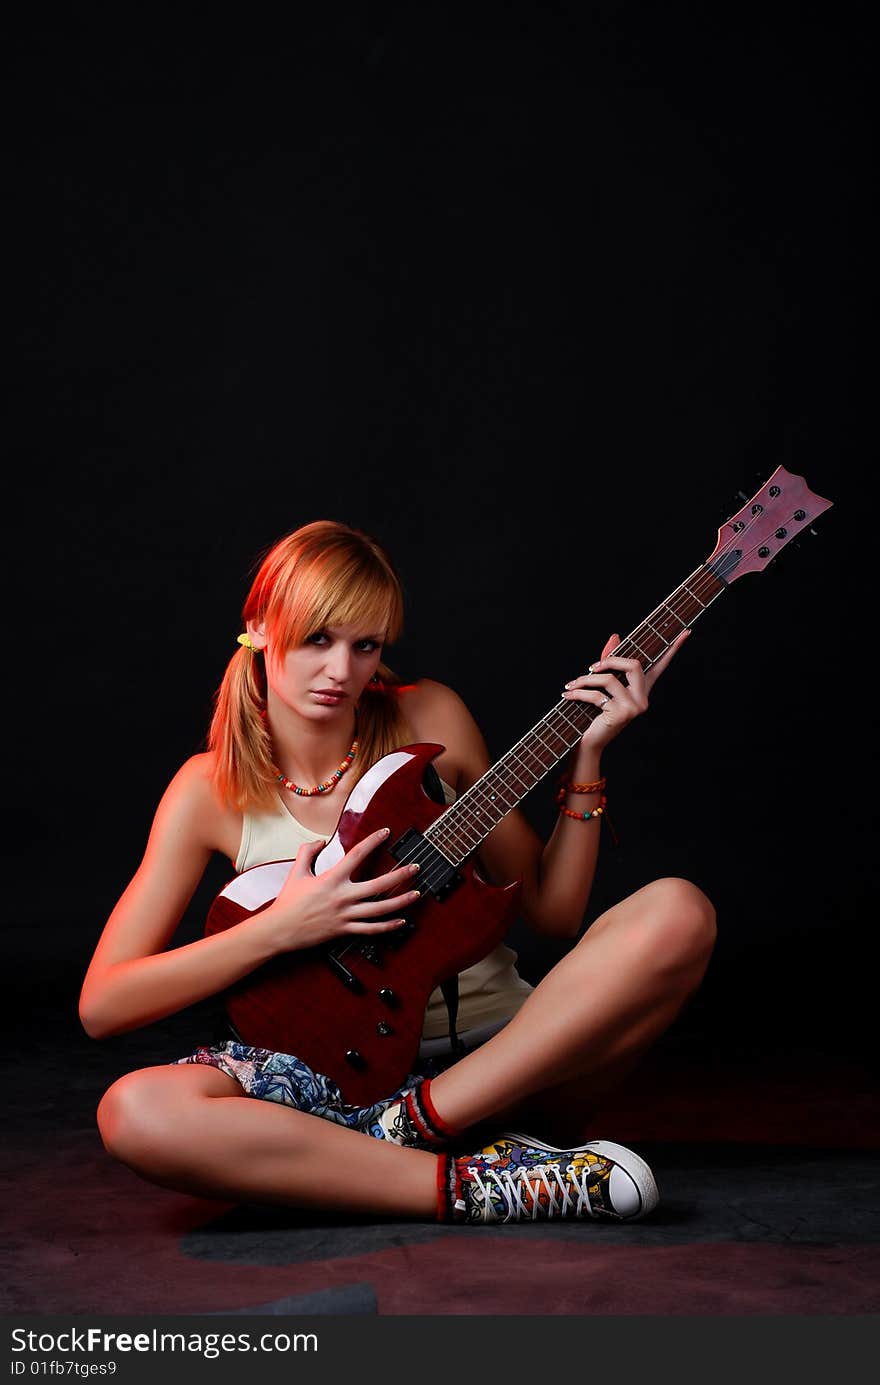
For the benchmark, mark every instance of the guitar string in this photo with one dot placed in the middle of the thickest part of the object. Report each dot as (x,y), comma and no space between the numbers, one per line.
(697,585)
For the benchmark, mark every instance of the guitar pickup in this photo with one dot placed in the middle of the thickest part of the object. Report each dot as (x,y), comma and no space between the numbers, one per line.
(437,875)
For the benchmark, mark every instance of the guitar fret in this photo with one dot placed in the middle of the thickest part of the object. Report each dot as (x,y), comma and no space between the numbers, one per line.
(671,623)
(551,752)
(509,769)
(471,840)
(700,603)
(469,821)
(497,796)
(524,755)
(675,616)
(551,730)
(579,712)
(655,631)
(639,649)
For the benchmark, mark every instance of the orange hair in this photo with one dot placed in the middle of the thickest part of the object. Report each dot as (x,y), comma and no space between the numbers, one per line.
(324,573)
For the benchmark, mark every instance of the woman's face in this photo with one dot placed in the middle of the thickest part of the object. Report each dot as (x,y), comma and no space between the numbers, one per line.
(323,678)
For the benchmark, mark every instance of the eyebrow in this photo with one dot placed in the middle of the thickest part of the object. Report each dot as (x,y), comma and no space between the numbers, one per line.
(334,630)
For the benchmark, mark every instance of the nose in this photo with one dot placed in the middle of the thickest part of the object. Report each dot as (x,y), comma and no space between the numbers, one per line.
(339,664)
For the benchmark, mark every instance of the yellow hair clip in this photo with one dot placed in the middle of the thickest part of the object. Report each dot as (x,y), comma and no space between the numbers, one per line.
(246,641)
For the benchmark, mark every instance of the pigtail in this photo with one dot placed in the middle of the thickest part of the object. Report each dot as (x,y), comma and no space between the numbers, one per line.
(243,772)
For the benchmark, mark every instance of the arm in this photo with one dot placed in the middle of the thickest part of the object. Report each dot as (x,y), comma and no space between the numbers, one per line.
(132,980)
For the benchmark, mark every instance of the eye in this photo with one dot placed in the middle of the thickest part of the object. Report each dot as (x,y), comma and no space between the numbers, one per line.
(367,646)
(319,637)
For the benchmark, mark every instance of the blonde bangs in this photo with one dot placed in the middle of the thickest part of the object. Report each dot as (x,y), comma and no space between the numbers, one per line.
(332,587)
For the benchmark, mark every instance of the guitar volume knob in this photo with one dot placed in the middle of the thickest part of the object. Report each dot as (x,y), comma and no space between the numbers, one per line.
(389,997)
(355,1058)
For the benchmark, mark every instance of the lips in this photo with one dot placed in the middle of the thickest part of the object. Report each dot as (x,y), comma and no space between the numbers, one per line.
(329,692)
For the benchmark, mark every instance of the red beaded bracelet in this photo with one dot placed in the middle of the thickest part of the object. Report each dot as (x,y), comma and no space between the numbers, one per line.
(584,817)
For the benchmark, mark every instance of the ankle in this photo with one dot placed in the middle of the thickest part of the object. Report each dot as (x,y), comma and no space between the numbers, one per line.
(415,1121)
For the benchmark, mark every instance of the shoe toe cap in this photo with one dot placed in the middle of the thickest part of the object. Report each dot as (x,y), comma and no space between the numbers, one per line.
(626,1200)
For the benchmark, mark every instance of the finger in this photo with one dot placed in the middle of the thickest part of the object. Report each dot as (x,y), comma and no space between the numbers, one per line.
(615,661)
(381,926)
(594,695)
(380,908)
(666,659)
(357,854)
(609,681)
(383,884)
(634,674)
(305,857)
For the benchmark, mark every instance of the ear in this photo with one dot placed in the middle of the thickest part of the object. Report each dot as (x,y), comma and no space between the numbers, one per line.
(257,633)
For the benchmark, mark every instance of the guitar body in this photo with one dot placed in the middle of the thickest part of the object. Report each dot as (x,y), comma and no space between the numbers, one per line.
(302,1003)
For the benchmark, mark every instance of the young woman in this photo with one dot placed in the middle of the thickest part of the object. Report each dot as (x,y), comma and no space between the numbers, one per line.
(305,708)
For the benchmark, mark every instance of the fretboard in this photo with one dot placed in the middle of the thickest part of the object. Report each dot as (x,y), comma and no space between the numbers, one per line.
(459,831)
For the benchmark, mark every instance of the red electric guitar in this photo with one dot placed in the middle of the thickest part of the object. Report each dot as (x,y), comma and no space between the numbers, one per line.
(354,1009)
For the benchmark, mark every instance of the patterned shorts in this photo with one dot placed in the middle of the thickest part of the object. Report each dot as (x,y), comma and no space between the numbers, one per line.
(284,1078)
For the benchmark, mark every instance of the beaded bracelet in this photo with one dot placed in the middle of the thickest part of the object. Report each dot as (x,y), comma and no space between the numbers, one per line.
(567,785)
(584,817)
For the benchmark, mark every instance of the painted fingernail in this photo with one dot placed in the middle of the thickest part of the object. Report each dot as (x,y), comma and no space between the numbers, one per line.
(386,832)
(567,685)
(414,868)
(415,894)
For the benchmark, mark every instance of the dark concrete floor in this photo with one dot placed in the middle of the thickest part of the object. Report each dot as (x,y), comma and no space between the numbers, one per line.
(767,1166)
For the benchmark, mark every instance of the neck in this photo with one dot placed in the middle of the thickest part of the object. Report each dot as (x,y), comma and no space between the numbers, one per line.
(308,751)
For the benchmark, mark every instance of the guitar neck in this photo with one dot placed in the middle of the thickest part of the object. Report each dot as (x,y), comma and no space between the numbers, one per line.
(459,831)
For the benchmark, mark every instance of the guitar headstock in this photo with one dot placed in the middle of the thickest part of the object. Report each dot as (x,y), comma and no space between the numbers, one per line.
(749,540)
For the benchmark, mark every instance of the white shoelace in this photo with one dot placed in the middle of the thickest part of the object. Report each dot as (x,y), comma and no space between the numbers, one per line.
(513,1188)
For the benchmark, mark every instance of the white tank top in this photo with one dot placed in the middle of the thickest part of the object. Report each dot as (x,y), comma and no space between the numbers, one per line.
(489,992)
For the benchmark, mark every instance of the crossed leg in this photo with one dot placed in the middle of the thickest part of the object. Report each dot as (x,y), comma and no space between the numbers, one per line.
(590,1020)
(190,1127)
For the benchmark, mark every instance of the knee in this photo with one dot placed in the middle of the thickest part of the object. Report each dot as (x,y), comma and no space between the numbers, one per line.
(136,1121)
(683,923)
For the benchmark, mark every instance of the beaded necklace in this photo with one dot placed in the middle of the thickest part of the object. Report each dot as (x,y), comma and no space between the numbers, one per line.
(327,784)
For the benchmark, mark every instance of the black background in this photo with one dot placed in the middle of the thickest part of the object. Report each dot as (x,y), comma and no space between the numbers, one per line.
(528,292)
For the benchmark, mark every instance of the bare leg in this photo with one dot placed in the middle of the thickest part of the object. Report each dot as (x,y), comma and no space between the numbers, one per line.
(593,1016)
(191,1128)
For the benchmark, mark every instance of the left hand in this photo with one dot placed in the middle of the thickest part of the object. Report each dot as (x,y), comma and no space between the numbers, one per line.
(620,702)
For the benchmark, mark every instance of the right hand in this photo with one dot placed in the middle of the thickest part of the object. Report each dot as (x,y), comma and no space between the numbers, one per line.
(312,909)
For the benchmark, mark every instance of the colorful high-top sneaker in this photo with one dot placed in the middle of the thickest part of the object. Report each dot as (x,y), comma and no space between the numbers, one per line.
(518,1178)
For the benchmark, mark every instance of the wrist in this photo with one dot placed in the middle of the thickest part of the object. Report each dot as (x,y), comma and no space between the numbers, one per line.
(586,765)
(262,933)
